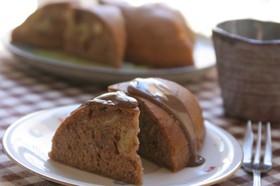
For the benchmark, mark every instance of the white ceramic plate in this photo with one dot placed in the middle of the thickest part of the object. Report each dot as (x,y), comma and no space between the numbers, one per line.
(28,142)
(62,65)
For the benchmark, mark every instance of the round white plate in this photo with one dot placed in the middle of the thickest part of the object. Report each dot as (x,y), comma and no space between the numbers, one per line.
(28,142)
(65,66)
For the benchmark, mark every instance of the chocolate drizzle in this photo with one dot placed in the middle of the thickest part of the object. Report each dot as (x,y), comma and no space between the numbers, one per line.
(118,98)
(156,91)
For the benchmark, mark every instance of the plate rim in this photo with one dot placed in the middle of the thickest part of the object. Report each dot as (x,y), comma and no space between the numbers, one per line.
(208,125)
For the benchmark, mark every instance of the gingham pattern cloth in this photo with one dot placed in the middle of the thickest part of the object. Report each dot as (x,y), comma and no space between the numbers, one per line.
(24,90)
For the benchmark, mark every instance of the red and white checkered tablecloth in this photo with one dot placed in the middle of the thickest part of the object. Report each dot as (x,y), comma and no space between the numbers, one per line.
(26,90)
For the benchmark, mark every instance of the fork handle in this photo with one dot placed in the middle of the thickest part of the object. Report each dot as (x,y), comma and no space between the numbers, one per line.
(257,178)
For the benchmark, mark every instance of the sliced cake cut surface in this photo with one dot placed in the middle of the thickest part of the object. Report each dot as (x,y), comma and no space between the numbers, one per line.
(101,137)
(96,33)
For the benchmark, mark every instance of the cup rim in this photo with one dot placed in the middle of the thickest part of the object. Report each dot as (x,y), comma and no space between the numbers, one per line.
(218,30)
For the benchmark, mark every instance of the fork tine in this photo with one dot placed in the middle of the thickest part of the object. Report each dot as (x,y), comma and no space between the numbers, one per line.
(258,145)
(257,168)
(248,143)
(268,151)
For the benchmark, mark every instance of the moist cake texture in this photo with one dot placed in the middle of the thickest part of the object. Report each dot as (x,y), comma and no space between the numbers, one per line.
(101,137)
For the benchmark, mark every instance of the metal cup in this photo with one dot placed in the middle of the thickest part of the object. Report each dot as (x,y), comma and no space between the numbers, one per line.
(248,64)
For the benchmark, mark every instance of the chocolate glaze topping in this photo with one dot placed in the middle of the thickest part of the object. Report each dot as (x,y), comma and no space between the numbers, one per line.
(118,98)
(159,93)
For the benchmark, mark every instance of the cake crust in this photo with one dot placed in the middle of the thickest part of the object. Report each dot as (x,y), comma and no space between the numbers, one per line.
(157,35)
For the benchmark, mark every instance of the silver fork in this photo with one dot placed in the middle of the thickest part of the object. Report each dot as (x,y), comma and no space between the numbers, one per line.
(253,163)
